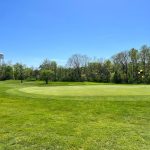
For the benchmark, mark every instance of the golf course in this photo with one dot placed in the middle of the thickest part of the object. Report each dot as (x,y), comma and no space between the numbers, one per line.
(74,116)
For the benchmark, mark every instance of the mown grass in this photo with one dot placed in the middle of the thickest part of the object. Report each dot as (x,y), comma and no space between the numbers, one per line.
(107,122)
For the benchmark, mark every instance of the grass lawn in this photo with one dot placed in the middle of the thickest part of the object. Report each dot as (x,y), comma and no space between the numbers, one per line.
(74,116)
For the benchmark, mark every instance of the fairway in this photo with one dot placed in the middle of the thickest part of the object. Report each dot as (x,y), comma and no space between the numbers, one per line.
(74,116)
(90,90)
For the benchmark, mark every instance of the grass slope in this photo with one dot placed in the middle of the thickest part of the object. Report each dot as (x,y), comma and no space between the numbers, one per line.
(70,117)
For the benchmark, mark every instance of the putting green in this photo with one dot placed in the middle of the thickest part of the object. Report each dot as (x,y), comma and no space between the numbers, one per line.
(90,90)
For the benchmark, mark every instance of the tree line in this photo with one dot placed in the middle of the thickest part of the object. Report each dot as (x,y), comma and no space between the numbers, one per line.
(132,66)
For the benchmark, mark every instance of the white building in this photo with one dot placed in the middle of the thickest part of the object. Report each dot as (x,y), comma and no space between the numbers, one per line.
(1,58)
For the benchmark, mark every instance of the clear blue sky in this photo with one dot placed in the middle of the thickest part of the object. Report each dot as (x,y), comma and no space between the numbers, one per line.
(31,30)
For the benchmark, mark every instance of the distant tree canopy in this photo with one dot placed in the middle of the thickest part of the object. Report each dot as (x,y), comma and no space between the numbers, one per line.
(132,66)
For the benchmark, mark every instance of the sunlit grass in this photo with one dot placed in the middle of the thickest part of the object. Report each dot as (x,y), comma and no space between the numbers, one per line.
(89,90)
(113,119)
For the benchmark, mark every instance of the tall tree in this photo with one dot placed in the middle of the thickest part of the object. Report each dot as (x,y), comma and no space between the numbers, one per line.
(133,65)
(6,72)
(19,71)
(145,58)
(46,75)
(49,65)
(121,65)
(75,63)
(145,63)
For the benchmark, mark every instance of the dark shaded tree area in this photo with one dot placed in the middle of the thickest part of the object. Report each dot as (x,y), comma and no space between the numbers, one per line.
(131,66)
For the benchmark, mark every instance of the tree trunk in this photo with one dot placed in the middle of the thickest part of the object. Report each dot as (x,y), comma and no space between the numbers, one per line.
(46,81)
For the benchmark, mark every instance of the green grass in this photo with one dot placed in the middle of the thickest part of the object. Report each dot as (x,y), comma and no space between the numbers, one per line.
(74,116)
(89,90)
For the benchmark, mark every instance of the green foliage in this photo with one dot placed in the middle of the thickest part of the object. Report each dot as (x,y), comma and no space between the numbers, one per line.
(50,65)
(117,77)
(46,75)
(122,68)
(19,72)
(6,72)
